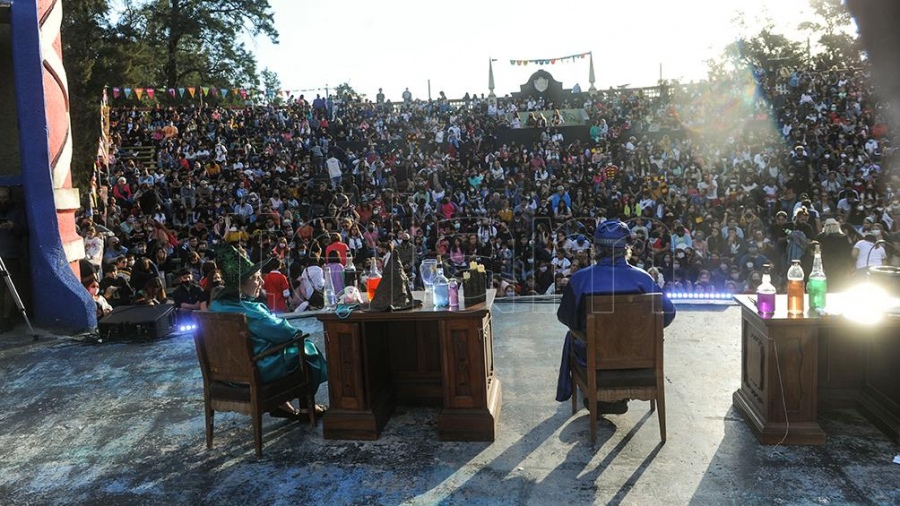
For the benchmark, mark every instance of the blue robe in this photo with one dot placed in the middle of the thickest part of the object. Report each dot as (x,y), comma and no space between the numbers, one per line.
(268,331)
(607,277)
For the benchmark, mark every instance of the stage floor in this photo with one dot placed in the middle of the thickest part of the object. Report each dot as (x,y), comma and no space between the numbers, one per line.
(122,423)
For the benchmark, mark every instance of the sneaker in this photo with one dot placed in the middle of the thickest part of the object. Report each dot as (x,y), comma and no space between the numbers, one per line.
(610,408)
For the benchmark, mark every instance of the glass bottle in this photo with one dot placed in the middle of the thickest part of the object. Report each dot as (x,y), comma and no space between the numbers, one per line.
(454,293)
(374,279)
(441,287)
(427,270)
(795,289)
(817,286)
(350,275)
(328,292)
(765,293)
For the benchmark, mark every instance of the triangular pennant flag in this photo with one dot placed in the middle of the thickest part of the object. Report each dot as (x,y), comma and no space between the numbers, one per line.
(172,92)
(214,91)
(181,92)
(243,93)
(192,90)
(205,90)
(287,93)
(235,91)
(553,61)
(224,92)
(139,92)
(116,92)
(512,62)
(127,92)
(150,93)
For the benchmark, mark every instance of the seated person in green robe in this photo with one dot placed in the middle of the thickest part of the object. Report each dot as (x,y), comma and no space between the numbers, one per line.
(240,294)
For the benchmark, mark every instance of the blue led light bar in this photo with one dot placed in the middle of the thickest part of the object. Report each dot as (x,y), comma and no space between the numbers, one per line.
(701,297)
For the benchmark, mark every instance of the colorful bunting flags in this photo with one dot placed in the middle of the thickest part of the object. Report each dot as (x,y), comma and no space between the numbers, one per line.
(147,93)
(551,61)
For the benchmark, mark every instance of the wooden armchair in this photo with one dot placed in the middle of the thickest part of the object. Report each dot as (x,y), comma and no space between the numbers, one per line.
(231,380)
(624,335)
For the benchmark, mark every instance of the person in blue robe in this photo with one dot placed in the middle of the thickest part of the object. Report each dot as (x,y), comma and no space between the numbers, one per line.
(239,293)
(610,275)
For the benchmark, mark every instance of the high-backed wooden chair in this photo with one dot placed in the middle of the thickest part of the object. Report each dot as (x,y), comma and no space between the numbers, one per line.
(231,380)
(624,335)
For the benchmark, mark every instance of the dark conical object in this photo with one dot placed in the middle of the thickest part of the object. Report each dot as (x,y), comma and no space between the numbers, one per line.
(393,292)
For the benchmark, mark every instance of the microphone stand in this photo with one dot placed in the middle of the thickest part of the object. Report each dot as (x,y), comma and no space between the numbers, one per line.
(4,273)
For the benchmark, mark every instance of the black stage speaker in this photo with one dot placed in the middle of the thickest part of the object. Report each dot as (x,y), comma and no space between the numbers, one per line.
(138,322)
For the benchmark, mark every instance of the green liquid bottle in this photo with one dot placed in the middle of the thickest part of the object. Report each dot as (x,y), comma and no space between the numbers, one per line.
(817,286)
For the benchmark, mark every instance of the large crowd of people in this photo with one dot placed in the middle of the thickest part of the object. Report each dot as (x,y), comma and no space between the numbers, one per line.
(714,180)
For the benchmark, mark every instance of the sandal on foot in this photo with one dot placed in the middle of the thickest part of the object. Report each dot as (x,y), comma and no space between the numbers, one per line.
(282,413)
(319,411)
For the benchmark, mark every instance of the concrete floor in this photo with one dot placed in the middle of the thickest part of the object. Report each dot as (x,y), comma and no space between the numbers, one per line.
(122,423)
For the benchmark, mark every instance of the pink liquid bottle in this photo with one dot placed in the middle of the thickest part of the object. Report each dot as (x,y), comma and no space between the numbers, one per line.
(765,294)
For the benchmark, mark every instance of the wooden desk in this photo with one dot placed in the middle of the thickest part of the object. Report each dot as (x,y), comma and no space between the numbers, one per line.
(424,356)
(791,365)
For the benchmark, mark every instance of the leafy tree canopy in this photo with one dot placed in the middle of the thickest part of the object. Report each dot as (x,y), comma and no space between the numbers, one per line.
(171,43)
(832,29)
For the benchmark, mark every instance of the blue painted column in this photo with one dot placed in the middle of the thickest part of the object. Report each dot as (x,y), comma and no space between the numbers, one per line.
(60,301)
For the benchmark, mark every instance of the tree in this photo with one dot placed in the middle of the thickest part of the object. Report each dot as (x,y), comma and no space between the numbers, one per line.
(272,84)
(95,54)
(768,50)
(175,42)
(200,40)
(344,91)
(836,34)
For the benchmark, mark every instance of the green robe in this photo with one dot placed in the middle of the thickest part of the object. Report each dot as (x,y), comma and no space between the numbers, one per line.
(267,331)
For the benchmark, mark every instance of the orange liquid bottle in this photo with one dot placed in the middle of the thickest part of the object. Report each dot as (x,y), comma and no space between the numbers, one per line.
(795,289)
(373,280)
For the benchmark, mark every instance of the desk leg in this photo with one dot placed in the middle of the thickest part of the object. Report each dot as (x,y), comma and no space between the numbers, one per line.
(879,400)
(360,400)
(472,394)
(778,394)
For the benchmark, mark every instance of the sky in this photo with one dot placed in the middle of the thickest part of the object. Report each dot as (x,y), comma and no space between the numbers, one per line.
(405,43)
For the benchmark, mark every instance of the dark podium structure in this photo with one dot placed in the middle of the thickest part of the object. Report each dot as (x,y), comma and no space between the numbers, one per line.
(419,357)
(792,365)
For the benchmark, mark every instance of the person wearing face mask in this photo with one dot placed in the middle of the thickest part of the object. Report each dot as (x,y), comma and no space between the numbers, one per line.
(212,288)
(187,294)
(103,306)
(281,250)
(276,286)
(611,275)
(544,277)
